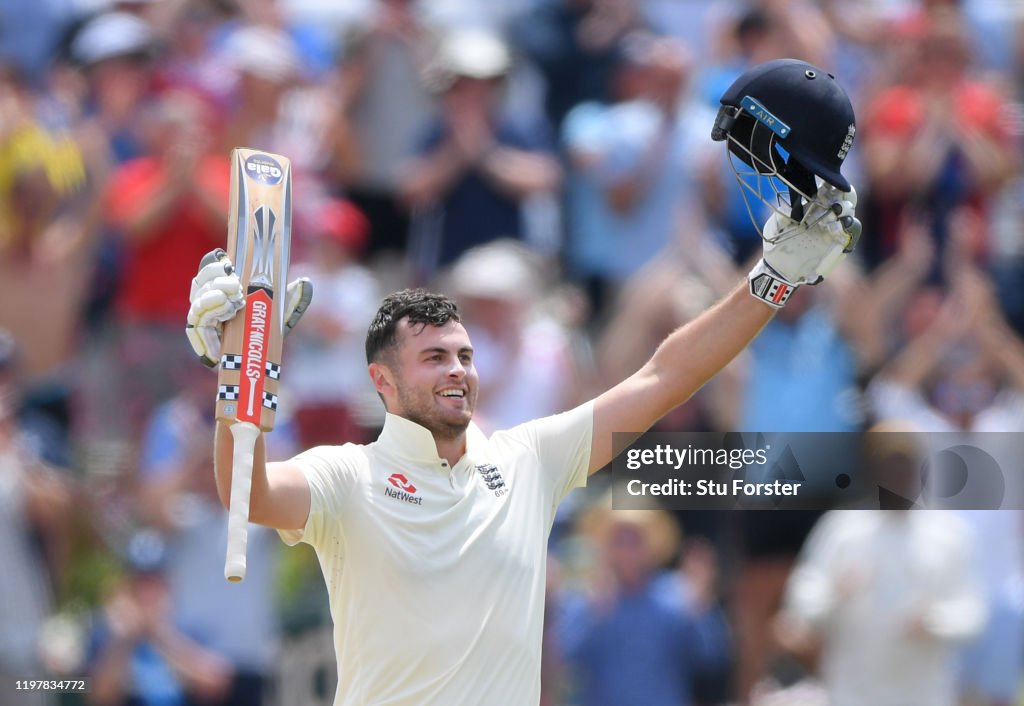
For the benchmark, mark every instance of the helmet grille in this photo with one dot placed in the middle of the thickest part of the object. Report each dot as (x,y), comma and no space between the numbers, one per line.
(765,171)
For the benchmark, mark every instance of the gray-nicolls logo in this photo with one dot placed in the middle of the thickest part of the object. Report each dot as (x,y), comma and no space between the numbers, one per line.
(492,477)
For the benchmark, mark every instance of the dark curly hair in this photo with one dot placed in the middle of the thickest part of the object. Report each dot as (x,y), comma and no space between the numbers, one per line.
(421,307)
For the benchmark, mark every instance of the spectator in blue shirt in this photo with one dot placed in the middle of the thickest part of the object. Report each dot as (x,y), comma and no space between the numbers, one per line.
(477,167)
(138,656)
(640,635)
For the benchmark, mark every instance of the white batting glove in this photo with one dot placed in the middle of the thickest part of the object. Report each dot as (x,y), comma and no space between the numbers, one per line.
(805,252)
(217,296)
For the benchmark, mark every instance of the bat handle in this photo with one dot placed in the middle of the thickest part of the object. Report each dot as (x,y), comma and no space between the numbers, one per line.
(245,435)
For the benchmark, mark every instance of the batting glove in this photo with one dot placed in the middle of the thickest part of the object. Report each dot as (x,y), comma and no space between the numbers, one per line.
(217,296)
(805,252)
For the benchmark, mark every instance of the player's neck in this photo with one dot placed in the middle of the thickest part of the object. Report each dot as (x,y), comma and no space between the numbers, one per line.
(451,449)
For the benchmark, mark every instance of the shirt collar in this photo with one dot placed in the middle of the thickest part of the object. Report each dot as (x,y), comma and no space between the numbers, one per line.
(413,441)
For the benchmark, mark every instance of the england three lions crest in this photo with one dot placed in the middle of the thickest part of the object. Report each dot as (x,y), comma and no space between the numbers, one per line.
(492,478)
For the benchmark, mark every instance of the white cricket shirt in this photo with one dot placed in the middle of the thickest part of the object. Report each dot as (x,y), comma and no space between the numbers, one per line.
(436,574)
(905,566)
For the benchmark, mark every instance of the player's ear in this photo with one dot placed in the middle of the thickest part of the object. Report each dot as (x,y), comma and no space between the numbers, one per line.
(383,379)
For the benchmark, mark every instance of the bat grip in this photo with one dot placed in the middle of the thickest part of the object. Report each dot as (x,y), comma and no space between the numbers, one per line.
(245,435)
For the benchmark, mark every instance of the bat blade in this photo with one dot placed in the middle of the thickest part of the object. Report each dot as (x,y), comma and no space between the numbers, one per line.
(259,239)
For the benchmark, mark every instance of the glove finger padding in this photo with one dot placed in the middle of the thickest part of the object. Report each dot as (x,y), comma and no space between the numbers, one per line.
(216,296)
(798,252)
(212,307)
(808,251)
(205,343)
(228,285)
(297,298)
(853,227)
(829,205)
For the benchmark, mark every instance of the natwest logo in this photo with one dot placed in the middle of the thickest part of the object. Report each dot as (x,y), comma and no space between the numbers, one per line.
(406,490)
(401,482)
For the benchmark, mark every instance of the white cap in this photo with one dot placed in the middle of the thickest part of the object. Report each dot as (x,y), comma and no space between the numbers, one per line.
(109,35)
(503,269)
(264,52)
(474,53)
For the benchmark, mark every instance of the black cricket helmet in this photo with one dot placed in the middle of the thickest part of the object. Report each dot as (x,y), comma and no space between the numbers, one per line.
(788,121)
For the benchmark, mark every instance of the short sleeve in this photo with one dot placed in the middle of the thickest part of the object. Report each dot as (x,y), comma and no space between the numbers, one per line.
(562,443)
(331,472)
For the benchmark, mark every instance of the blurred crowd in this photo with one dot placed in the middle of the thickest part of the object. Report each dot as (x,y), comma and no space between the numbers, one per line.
(548,163)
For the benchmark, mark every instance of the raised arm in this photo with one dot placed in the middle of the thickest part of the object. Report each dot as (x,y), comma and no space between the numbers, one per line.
(684,361)
(280,496)
(786,107)
(280,493)
(795,253)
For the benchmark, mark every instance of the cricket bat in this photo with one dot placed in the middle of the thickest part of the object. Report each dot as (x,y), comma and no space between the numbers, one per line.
(259,235)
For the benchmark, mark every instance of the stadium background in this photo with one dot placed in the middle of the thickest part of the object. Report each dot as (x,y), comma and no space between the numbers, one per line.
(585,215)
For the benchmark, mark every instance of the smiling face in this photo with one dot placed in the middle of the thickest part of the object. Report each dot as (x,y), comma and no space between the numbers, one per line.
(429,377)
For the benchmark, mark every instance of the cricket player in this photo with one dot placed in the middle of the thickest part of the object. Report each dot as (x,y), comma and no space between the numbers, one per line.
(432,540)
